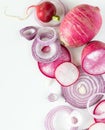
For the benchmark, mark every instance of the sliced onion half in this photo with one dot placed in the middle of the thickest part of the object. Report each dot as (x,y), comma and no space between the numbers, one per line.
(87,85)
(28,32)
(62,117)
(66,73)
(46,54)
(48,69)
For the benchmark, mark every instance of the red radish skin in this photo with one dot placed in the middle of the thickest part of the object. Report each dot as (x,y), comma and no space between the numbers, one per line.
(48,69)
(100,109)
(93,58)
(80,25)
(66,74)
(97,126)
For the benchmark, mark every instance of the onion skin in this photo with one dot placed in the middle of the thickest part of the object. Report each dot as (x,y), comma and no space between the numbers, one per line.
(80,25)
(92,84)
(94,65)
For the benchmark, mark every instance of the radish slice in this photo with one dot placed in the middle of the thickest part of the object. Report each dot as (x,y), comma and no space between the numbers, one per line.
(66,73)
(93,58)
(97,126)
(96,116)
(100,109)
(48,69)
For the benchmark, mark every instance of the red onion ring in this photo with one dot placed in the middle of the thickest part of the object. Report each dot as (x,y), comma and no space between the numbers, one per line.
(46,35)
(41,54)
(61,11)
(78,93)
(28,32)
(50,117)
(100,116)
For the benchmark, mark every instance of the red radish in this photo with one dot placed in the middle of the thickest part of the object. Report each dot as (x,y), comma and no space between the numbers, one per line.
(48,69)
(66,74)
(80,25)
(93,58)
(97,126)
(100,109)
(44,11)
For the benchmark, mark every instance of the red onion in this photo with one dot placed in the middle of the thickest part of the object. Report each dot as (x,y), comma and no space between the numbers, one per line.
(48,69)
(78,93)
(28,32)
(60,11)
(80,25)
(96,116)
(49,120)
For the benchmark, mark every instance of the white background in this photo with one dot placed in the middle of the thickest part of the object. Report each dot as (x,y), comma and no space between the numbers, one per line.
(23,89)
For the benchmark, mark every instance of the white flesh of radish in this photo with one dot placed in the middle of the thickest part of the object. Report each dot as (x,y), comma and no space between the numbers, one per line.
(97,126)
(66,73)
(94,63)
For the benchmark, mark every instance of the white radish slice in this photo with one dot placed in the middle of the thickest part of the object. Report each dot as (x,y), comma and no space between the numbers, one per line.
(93,58)
(100,109)
(66,73)
(97,126)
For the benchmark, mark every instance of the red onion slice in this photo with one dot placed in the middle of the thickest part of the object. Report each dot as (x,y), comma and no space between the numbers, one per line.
(49,119)
(28,32)
(48,69)
(46,35)
(61,10)
(78,93)
(46,54)
(96,116)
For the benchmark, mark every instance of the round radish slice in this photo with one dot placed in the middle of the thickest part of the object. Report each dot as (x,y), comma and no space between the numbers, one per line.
(97,126)
(48,69)
(93,58)
(100,109)
(66,73)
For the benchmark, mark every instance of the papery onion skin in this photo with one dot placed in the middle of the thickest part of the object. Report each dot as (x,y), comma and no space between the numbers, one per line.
(80,25)
(78,94)
(29,35)
(48,69)
(50,116)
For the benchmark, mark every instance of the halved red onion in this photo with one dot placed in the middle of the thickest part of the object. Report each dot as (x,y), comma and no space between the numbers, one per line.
(97,126)
(91,112)
(66,73)
(46,54)
(46,35)
(61,10)
(28,32)
(52,119)
(87,85)
(48,69)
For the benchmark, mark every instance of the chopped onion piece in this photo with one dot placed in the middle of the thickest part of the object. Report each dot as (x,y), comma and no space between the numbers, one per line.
(52,97)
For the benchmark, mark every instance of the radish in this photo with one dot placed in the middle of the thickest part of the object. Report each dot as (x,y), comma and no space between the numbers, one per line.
(100,109)
(80,25)
(48,69)
(66,74)
(97,126)
(93,58)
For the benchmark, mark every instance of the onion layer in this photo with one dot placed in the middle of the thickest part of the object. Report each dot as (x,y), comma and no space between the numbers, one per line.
(78,93)
(28,32)
(49,120)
